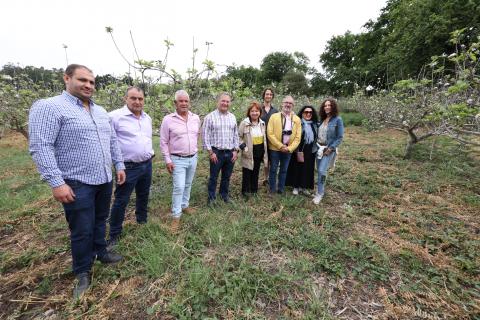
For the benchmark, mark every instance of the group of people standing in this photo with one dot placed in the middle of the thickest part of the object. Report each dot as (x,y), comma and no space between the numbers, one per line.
(290,145)
(74,143)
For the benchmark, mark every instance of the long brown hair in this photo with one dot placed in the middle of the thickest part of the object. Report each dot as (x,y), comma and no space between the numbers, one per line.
(333,112)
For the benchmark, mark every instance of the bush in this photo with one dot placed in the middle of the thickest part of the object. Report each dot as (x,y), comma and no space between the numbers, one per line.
(352,118)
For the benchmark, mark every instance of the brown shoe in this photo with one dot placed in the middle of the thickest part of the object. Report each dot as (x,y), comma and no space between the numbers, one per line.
(175,225)
(189,210)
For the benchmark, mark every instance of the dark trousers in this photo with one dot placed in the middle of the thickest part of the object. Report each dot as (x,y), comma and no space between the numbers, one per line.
(225,165)
(86,218)
(278,159)
(139,177)
(250,177)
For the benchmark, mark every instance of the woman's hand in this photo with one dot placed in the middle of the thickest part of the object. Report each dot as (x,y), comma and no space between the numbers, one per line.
(327,151)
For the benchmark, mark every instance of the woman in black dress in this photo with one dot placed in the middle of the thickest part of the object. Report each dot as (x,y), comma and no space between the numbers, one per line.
(300,175)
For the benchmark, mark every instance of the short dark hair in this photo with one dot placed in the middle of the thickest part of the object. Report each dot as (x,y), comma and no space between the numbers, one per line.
(253,104)
(314,113)
(134,88)
(265,91)
(334,112)
(72,67)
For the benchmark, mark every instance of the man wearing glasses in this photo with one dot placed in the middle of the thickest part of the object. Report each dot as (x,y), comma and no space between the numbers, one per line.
(284,132)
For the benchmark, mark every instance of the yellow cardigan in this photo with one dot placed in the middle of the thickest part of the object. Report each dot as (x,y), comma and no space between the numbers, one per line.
(274,132)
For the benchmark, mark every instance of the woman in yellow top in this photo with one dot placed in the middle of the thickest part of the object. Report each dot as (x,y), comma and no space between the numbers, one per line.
(284,132)
(253,143)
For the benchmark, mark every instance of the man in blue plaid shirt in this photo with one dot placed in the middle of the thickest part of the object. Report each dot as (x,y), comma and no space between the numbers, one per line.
(73,145)
(220,139)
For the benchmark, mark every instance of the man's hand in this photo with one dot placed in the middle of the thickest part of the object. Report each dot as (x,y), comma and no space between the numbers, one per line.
(170,167)
(234,155)
(284,149)
(121,176)
(63,194)
(213,157)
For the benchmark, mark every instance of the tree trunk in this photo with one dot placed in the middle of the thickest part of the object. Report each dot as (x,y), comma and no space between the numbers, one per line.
(411,142)
(23,132)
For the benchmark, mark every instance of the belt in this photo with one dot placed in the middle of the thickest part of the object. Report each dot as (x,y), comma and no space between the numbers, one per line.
(140,161)
(215,148)
(179,155)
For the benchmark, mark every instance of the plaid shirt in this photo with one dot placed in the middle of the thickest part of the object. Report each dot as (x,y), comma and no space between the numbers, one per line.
(68,142)
(220,131)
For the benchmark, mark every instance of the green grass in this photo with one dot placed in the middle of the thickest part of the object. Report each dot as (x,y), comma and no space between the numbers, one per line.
(408,226)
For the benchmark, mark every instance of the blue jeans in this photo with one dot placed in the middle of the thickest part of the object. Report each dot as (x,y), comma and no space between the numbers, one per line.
(322,169)
(225,165)
(278,158)
(86,218)
(182,176)
(139,177)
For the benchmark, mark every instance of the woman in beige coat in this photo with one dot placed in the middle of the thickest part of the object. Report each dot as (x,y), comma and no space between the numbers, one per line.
(253,143)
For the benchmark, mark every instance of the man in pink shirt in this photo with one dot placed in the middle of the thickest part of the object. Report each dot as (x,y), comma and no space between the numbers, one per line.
(178,142)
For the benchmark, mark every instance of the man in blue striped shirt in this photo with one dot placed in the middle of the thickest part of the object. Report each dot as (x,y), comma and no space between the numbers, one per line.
(73,145)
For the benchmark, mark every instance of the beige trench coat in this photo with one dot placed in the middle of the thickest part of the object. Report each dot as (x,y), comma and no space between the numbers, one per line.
(246,137)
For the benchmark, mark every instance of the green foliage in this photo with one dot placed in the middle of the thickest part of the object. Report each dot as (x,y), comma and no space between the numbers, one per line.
(249,76)
(295,83)
(444,104)
(398,43)
(275,66)
(338,60)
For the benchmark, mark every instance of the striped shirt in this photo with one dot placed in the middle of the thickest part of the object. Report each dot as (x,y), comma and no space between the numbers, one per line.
(68,142)
(220,131)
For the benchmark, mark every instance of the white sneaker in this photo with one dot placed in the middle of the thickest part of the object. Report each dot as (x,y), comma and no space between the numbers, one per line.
(317,198)
(295,191)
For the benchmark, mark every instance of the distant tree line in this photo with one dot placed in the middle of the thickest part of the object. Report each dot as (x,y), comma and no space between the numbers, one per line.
(395,46)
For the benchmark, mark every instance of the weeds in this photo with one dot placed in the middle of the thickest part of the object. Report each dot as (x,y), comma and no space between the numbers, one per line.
(391,239)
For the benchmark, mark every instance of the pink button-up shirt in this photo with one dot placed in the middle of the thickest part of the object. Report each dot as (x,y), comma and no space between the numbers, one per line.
(134,134)
(179,136)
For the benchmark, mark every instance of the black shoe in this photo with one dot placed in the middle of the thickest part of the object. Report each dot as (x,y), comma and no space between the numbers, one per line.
(210,202)
(112,243)
(110,257)
(142,222)
(82,285)
(226,200)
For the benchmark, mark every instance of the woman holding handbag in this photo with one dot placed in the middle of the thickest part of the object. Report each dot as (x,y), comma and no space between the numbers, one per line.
(301,168)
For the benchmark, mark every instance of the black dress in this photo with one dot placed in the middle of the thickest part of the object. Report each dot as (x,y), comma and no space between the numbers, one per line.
(301,175)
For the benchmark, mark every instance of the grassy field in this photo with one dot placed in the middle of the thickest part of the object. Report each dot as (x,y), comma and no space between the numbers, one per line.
(393,239)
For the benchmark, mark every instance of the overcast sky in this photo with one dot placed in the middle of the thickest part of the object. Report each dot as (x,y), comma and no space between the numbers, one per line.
(32,32)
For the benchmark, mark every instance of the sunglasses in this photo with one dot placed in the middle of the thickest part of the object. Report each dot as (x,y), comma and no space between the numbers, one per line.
(307,112)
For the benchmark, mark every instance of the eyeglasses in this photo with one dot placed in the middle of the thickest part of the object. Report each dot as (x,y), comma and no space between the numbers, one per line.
(289,103)
(307,112)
